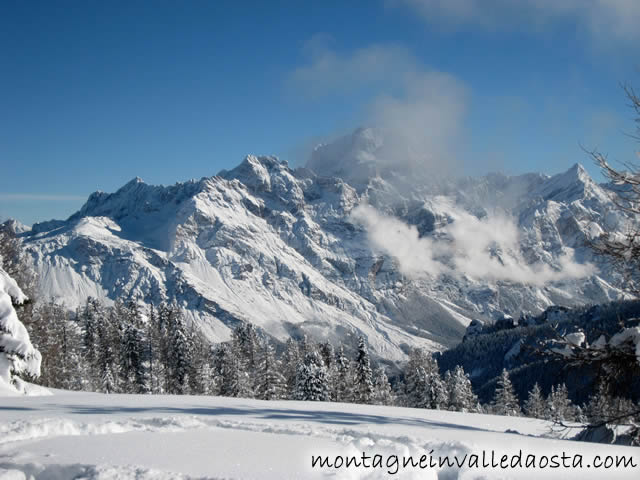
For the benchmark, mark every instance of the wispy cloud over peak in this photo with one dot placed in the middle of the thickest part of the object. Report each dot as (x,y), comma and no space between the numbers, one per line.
(330,72)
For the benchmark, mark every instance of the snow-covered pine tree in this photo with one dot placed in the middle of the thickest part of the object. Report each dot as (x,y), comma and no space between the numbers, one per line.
(505,400)
(416,373)
(581,417)
(200,355)
(271,383)
(18,265)
(231,367)
(382,391)
(291,360)
(342,385)
(461,396)
(599,408)
(305,346)
(108,382)
(46,317)
(209,380)
(154,340)
(107,365)
(363,388)
(535,405)
(311,379)
(17,354)
(132,370)
(328,354)
(246,340)
(162,319)
(90,317)
(61,348)
(179,358)
(438,395)
(558,406)
(417,391)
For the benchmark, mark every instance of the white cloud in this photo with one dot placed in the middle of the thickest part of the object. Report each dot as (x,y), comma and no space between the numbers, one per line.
(482,249)
(419,109)
(424,121)
(329,72)
(415,255)
(604,20)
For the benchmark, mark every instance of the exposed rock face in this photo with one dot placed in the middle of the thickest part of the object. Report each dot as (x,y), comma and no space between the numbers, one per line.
(276,246)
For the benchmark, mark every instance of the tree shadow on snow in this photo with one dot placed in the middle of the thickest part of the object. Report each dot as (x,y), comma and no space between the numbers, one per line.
(312,416)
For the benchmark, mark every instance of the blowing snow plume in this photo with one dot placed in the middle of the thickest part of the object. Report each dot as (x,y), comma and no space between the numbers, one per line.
(486,249)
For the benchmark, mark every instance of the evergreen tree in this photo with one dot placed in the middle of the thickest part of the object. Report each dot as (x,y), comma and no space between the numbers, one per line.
(382,392)
(107,338)
(132,369)
(505,401)
(559,406)
(200,355)
(18,265)
(179,358)
(305,346)
(155,339)
(230,365)
(209,379)
(63,365)
(535,406)
(420,367)
(108,382)
(328,354)
(18,357)
(161,335)
(363,388)
(461,396)
(342,384)
(271,383)
(91,316)
(311,379)
(599,408)
(246,340)
(437,393)
(291,359)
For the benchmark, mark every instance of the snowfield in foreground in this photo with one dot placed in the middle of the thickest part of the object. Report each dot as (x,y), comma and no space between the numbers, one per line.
(89,435)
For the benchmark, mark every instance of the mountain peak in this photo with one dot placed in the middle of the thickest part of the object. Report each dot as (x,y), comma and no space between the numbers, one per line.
(255,171)
(134,182)
(573,184)
(579,171)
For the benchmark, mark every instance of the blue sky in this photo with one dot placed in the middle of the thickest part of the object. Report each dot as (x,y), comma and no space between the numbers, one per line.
(93,94)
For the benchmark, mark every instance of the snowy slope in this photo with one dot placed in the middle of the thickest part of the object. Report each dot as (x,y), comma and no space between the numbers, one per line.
(280,248)
(85,435)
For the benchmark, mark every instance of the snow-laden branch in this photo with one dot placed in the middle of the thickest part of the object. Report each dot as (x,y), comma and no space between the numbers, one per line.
(17,354)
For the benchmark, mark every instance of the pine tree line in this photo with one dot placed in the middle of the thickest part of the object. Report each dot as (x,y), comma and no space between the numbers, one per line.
(122,349)
(119,349)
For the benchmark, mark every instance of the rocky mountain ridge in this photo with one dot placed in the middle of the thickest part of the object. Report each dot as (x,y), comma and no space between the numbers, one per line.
(279,247)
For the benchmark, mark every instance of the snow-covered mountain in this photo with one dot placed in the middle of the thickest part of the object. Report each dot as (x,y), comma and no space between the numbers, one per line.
(279,247)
